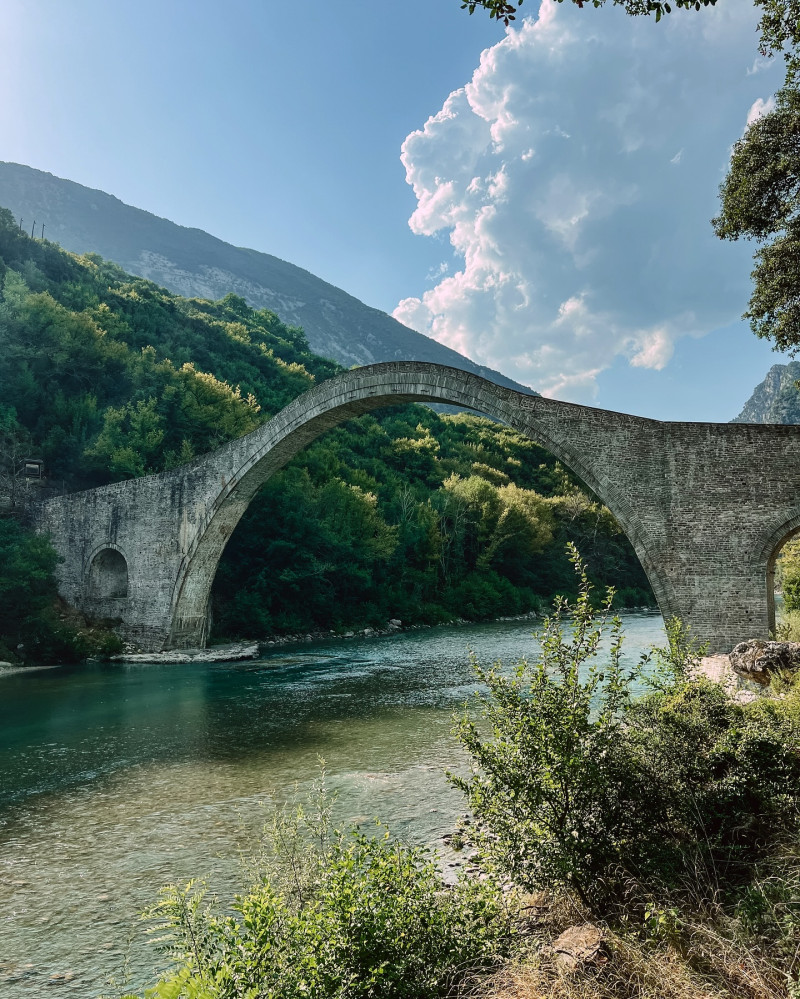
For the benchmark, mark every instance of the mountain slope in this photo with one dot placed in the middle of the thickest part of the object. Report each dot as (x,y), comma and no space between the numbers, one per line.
(776,399)
(192,263)
(104,376)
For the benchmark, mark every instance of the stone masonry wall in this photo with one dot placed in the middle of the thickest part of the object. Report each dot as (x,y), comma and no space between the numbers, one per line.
(705,505)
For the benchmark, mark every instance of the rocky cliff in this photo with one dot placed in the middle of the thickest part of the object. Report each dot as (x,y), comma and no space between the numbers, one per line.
(776,399)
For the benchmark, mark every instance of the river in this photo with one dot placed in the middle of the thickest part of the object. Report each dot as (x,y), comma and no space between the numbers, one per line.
(116,779)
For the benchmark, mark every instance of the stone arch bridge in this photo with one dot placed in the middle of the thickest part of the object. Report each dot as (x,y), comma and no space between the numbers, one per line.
(706,506)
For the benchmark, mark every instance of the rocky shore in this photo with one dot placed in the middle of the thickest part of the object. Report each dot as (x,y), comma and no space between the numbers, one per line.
(251,650)
(393,627)
(216,654)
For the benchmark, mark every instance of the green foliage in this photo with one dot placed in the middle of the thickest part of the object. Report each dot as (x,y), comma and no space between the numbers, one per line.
(503,526)
(760,199)
(580,785)
(472,531)
(402,513)
(729,780)
(329,915)
(499,10)
(679,661)
(27,588)
(543,785)
(113,376)
(14,448)
(779,30)
(788,627)
(769,908)
(787,574)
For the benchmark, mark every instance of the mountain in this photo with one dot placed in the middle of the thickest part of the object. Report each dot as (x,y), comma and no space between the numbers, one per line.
(776,399)
(194,264)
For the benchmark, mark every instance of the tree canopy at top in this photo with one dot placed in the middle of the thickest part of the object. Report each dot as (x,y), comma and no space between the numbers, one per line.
(760,199)
(778,29)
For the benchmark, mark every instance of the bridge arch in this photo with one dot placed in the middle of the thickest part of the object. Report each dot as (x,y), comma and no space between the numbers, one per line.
(705,505)
(245,465)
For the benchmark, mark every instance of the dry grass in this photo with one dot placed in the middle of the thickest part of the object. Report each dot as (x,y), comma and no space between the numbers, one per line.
(702,965)
(738,970)
(629,974)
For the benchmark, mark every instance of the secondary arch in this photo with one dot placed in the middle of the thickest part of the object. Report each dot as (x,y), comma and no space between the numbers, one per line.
(107,574)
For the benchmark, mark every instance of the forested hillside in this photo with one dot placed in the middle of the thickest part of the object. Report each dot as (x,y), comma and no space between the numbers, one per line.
(193,263)
(404,513)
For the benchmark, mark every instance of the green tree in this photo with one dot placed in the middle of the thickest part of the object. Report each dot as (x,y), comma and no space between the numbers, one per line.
(27,587)
(787,574)
(760,199)
(14,448)
(29,628)
(503,526)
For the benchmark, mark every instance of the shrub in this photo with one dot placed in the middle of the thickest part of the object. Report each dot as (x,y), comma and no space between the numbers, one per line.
(787,574)
(338,916)
(788,629)
(579,784)
(544,782)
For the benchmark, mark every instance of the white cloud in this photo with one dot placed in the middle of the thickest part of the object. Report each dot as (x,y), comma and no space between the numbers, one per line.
(434,273)
(653,348)
(551,171)
(760,63)
(759,108)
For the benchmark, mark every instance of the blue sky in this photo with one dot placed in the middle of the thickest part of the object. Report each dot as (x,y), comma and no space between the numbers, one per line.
(538,198)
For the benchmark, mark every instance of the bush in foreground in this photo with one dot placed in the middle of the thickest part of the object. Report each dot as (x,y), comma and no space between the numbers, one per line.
(336,915)
(662,804)
(587,782)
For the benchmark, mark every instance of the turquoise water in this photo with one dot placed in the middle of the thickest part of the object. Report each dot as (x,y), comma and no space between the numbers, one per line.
(116,779)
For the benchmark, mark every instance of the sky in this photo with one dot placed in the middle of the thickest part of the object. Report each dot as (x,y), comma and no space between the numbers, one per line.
(538,198)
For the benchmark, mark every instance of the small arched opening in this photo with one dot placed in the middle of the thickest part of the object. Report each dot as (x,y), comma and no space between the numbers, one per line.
(108,575)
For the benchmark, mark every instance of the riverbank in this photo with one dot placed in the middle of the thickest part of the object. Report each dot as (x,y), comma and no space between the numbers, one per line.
(237,651)
(395,625)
